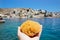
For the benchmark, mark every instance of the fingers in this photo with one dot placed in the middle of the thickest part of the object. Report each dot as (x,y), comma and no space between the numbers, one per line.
(18,30)
(20,34)
(40,31)
(24,36)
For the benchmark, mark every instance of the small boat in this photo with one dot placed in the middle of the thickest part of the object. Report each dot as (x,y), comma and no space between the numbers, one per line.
(1,20)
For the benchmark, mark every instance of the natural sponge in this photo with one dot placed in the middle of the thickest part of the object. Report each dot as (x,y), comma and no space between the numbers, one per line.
(30,28)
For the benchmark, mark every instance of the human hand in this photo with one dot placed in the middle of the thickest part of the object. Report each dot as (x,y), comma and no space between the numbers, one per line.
(23,36)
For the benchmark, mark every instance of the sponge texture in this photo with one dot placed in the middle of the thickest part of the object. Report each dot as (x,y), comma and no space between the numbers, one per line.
(30,28)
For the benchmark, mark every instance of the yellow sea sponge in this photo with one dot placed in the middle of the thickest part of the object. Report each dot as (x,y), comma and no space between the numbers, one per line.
(30,28)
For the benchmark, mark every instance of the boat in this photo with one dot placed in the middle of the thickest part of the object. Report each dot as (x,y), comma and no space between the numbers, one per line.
(1,20)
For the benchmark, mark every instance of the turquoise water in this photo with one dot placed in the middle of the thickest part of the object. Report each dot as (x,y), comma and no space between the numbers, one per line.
(51,28)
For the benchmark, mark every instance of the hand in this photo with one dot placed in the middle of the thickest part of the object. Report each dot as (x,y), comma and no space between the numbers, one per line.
(23,36)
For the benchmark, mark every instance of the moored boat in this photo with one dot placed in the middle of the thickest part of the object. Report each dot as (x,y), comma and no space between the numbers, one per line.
(1,20)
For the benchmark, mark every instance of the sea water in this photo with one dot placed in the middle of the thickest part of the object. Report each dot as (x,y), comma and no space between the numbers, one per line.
(51,28)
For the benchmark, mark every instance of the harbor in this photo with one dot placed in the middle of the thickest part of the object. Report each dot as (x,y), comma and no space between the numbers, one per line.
(12,18)
(51,31)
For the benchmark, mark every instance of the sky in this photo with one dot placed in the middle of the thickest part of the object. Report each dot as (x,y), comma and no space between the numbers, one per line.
(49,5)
